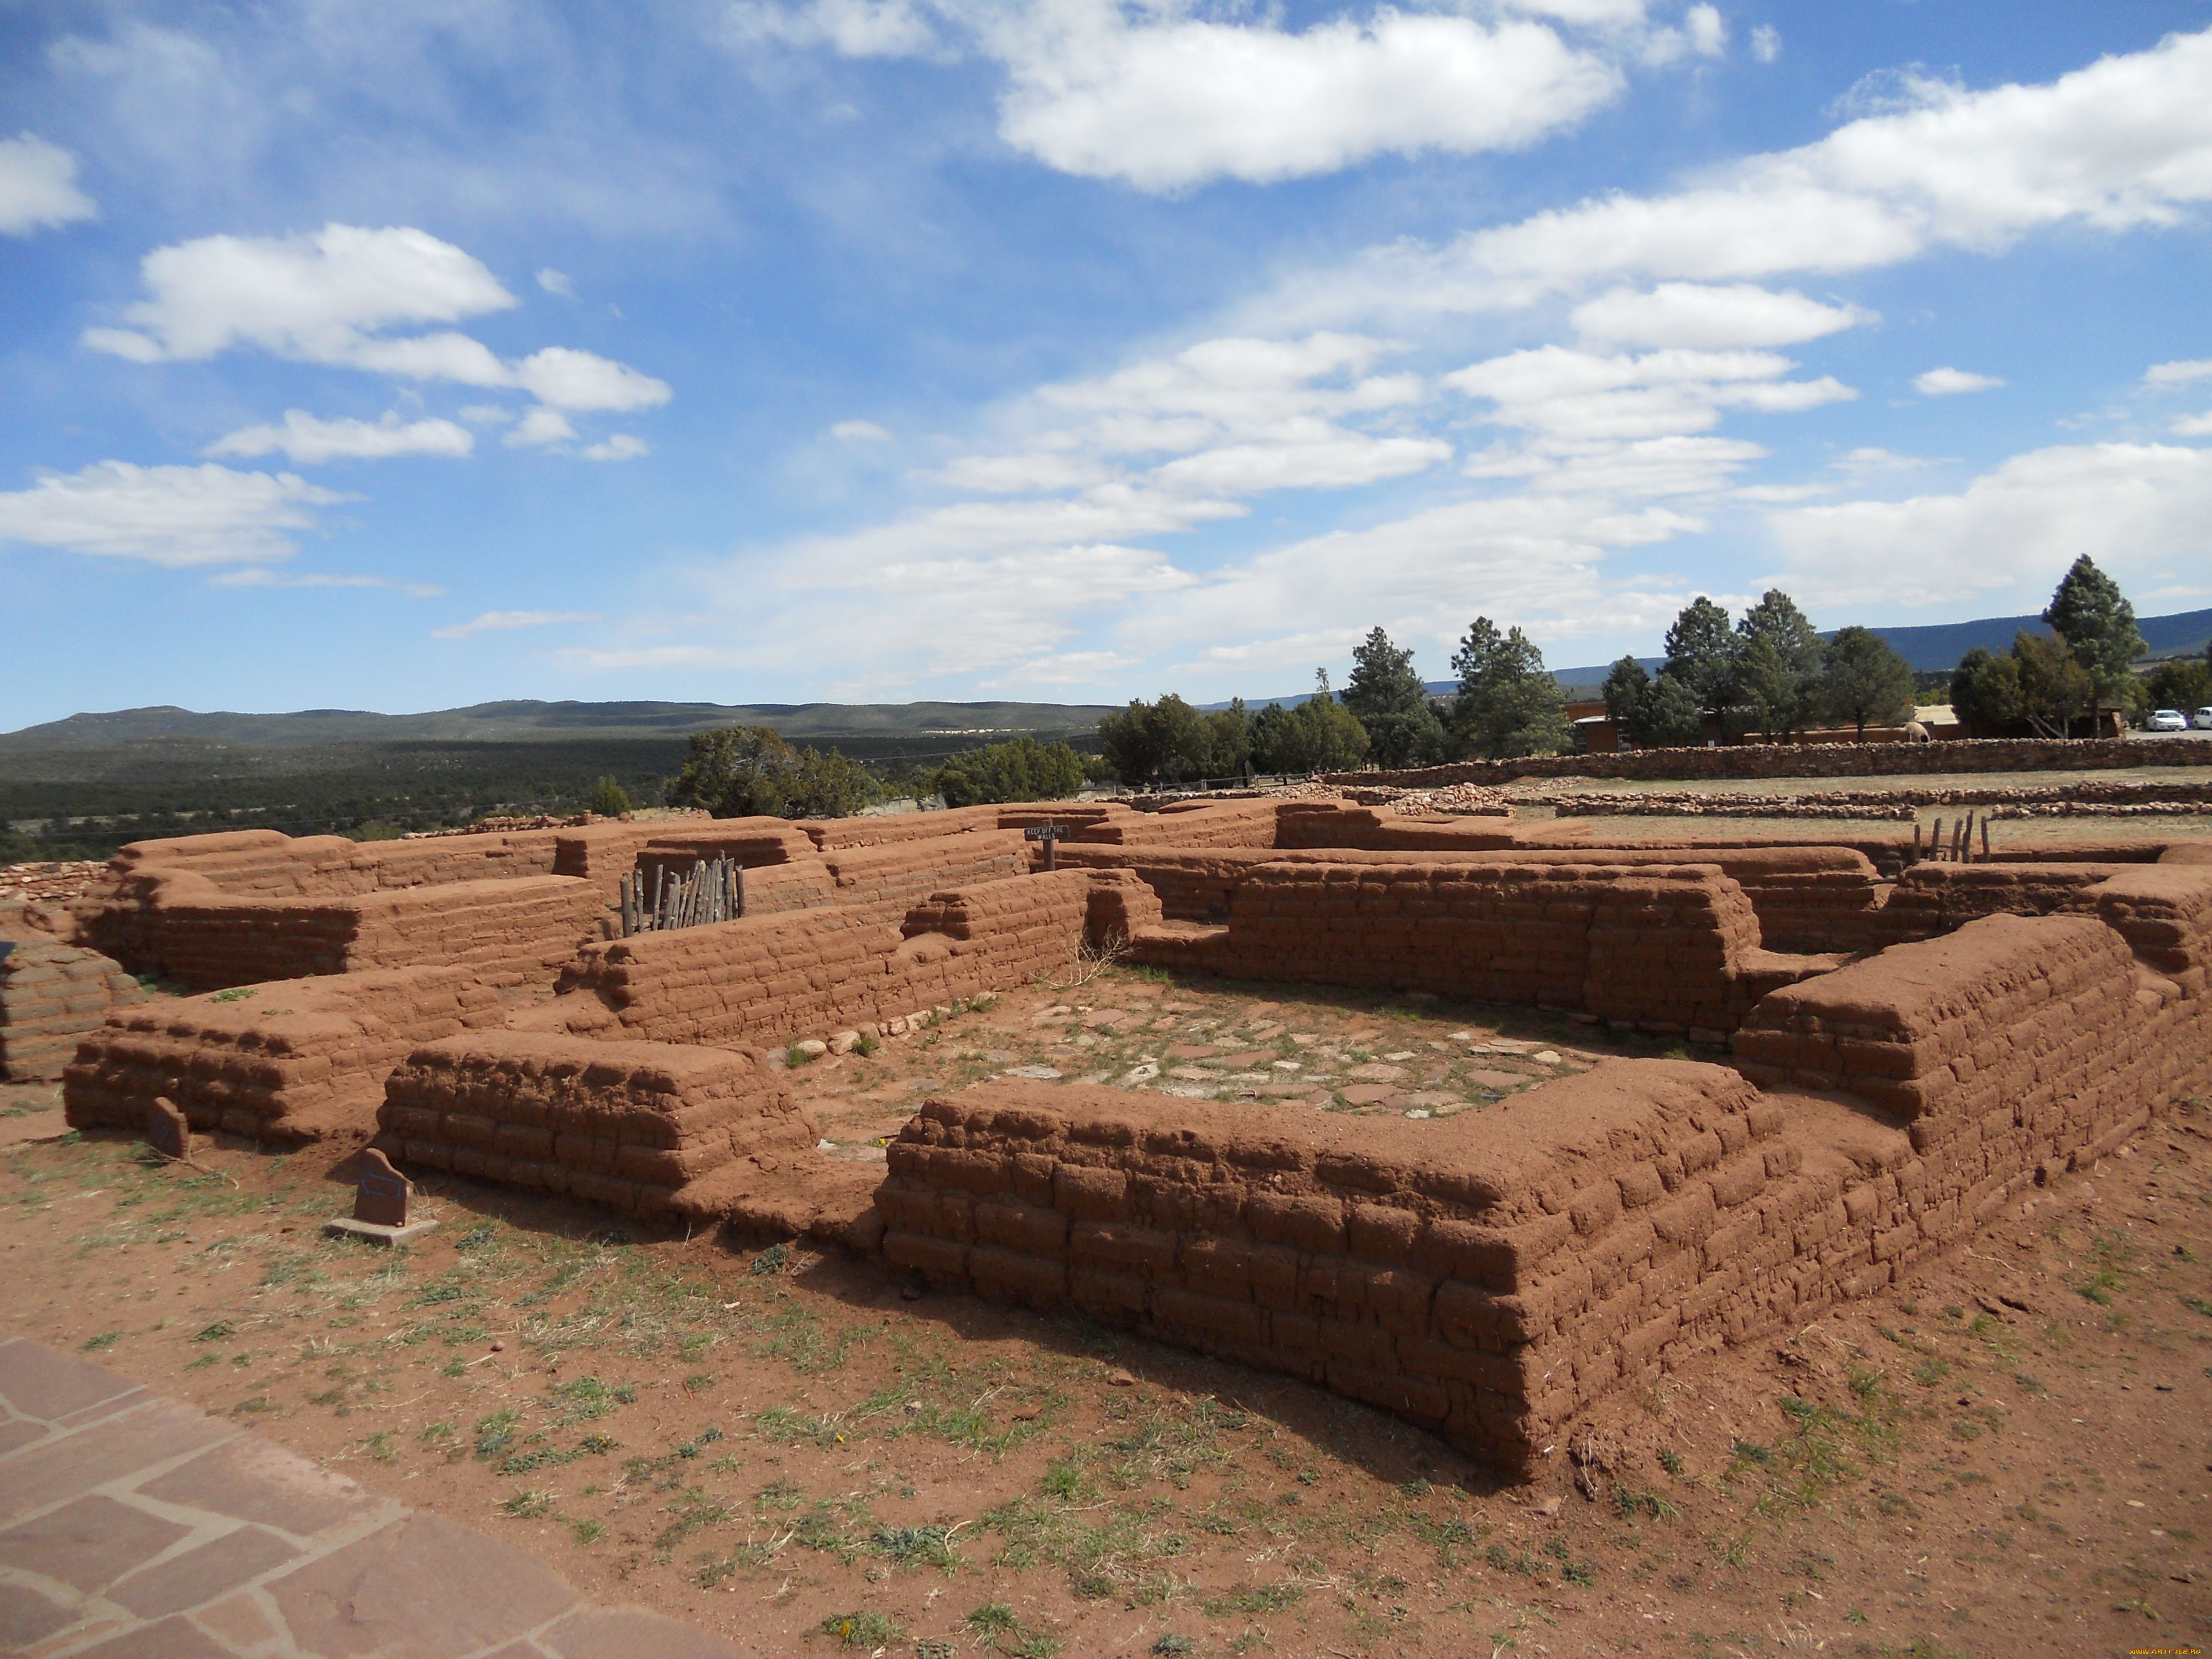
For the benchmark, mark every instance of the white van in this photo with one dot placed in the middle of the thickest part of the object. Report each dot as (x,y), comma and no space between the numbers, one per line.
(2204,720)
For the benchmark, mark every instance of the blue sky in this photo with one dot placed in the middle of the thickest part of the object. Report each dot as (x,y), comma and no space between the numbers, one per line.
(409,356)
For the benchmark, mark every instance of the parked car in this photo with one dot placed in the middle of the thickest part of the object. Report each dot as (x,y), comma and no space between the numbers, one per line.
(2166,719)
(2204,720)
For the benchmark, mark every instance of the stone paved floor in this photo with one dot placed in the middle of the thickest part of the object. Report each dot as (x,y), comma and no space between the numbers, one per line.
(132,1527)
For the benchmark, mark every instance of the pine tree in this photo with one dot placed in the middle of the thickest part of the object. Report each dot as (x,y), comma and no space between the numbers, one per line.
(2090,613)
(1778,664)
(1863,680)
(1507,703)
(1702,649)
(1386,696)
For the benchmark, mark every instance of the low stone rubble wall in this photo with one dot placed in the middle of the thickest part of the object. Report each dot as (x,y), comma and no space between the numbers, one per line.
(1827,760)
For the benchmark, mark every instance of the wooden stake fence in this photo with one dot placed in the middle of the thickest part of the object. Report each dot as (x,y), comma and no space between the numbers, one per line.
(710,891)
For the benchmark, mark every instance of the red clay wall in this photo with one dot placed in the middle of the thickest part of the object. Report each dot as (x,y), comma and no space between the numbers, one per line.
(2013,1047)
(1490,1274)
(1480,1275)
(1807,898)
(294,1061)
(1668,948)
(51,995)
(628,1125)
(813,972)
(195,936)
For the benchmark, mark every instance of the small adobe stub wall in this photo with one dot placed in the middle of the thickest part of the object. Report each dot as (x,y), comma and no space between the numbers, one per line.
(650,1129)
(1673,949)
(51,995)
(809,973)
(1807,898)
(212,912)
(294,1061)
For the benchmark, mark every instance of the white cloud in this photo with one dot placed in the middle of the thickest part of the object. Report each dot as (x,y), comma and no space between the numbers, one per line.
(1578,396)
(316,297)
(1707,29)
(617,447)
(38,187)
(566,379)
(853,431)
(487,414)
(854,28)
(1232,416)
(177,516)
(2194,426)
(554,282)
(500,622)
(1765,43)
(2140,507)
(2124,142)
(260,576)
(1950,382)
(1699,314)
(306,441)
(540,426)
(1168,104)
(2179,374)
(328,297)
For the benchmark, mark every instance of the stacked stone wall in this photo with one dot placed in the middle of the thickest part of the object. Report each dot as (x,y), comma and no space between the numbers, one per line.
(1837,760)
(51,995)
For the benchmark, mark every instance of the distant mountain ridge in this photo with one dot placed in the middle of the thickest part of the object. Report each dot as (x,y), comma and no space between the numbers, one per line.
(526,720)
(1929,649)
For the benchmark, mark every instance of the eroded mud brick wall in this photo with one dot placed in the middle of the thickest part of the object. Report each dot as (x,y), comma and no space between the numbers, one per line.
(513,928)
(1807,898)
(291,1060)
(51,995)
(2014,1042)
(1670,948)
(1481,1275)
(628,1125)
(809,973)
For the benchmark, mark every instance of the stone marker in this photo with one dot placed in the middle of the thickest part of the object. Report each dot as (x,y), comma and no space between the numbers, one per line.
(167,1131)
(379,1204)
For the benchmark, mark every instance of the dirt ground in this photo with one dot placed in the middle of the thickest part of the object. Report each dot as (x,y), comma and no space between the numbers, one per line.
(2011,1454)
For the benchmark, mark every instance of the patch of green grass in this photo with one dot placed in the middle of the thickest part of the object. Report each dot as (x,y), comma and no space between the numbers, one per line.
(104,1339)
(587,1399)
(527,1506)
(215,1332)
(496,1433)
(868,1630)
(910,1545)
(770,1260)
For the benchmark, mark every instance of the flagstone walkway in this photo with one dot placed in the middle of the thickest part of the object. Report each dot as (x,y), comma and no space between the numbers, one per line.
(133,1526)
